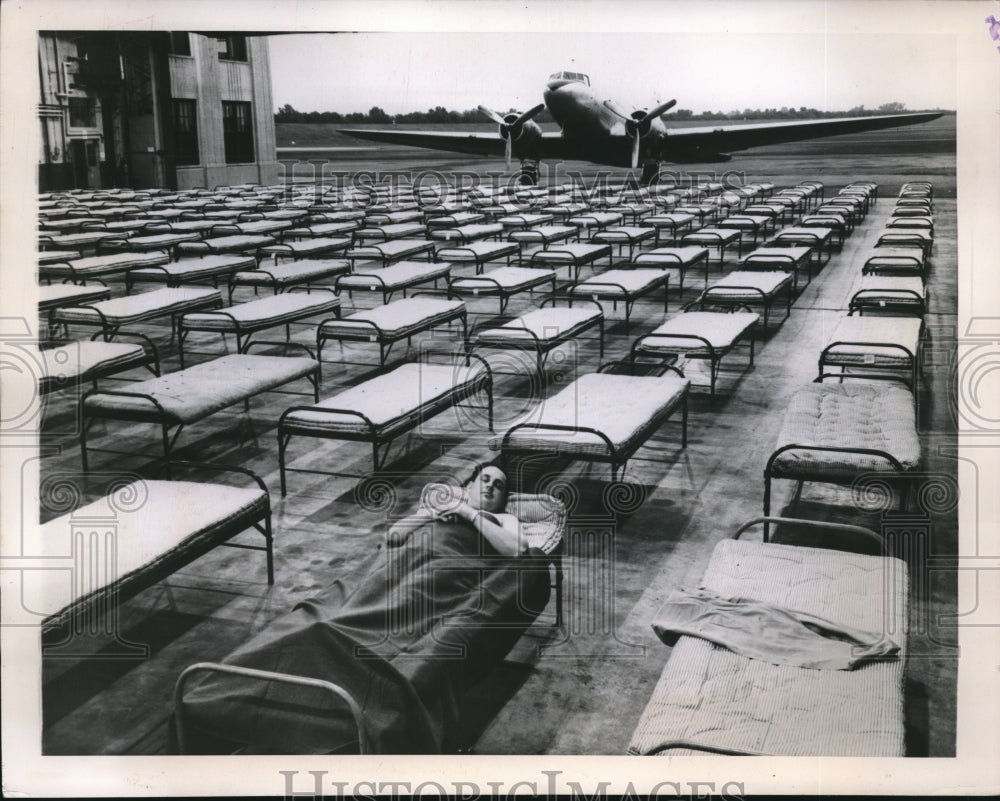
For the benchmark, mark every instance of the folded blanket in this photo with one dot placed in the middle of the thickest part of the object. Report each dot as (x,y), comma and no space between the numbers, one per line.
(770,633)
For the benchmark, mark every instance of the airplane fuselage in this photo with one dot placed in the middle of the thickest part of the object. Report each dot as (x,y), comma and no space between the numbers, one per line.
(591,131)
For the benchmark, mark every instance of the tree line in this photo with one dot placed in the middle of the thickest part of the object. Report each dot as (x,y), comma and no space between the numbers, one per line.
(440,115)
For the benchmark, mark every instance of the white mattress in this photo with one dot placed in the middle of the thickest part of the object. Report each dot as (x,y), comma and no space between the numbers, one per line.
(391,397)
(263,313)
(75,359)
(148,519)
(390,248)
(509,279)
(902,331)
(52,295)
(225,243)
(566,252)
(193,393)
(142,306)
(712,696)
(626,233)
(722,331)
(212,264)
(395,319)
(395,276)
(673,257)
(467,232)
(309,246)
(634,282)
(619,406)
(547,325)
(768,281)
(891,288)
(292,272)
(874,415)
(482,251)
(777,255)
(104,265)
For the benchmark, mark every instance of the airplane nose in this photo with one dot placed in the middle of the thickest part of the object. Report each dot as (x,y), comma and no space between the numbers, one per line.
(557,83)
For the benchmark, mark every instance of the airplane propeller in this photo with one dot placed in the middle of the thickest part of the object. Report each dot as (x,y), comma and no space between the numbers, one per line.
(510,126)
(637,124)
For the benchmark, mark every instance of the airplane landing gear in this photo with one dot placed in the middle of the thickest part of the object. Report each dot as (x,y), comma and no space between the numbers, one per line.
(650,172)
(528,174)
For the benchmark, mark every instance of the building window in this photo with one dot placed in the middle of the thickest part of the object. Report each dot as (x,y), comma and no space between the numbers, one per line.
(186,132)
(82,112)
(180,43)
(232,48)
(237,131)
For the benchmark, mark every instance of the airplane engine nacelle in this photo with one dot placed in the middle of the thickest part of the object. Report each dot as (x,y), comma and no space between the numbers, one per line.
(525,137)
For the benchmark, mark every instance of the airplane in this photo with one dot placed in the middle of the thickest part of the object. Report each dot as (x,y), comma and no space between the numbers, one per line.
(602,133)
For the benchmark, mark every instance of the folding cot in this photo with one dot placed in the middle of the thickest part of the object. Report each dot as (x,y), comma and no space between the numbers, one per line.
(540,330)
(819,239)
(543,235)
(275,228)
(396,277)
(633,213)
(851,212)
(111,315)
(587,419)
(836,433)
(170,243)
(322,229)
(791,259)
(376,217)
(226,244)
(573,254)
(467,233)
(456,219)
(718,238)
(54,296)
(922,223)
(317,247)
(388,232)
(875,343)
(900,238)
(698,335)
(717,700)
(67,225)
(591,222)
(889,293)
(191,271)
(243,320)
(626,286)
(181,226)
(757,225)
(382,408)
(390,251)
(184,397)
(391,323)
(896,261)
(68,364)
(680,259)
(750,288)
(523,220)
(309,684)
(86,239)
(632,236)
(50,256)
(478,253)
(82,269)
(911,208)
(502,282)
(150,542)
(565,209)
(292,215)
(837,222)
(280,277)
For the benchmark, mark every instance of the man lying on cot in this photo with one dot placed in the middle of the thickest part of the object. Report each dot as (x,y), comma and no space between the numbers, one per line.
(424,619)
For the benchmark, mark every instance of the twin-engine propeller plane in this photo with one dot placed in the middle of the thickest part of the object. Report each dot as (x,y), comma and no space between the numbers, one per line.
(603,133)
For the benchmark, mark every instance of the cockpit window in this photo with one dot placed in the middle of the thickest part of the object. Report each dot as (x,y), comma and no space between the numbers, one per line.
(570,76)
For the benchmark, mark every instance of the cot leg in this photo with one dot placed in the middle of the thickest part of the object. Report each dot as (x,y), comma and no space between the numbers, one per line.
(559,592)
(282,444)
(83,441)
(767,505)
(269,539)
(684,422)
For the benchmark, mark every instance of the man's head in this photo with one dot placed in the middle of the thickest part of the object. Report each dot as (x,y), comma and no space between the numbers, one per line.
(488,490)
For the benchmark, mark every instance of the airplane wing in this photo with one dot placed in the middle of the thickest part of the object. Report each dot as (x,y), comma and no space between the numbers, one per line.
(483,143)
(721,139)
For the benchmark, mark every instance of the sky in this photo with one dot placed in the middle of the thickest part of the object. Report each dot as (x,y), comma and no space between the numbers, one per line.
(401,72)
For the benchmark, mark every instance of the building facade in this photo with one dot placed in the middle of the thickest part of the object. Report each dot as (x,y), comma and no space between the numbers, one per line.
(154,109)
